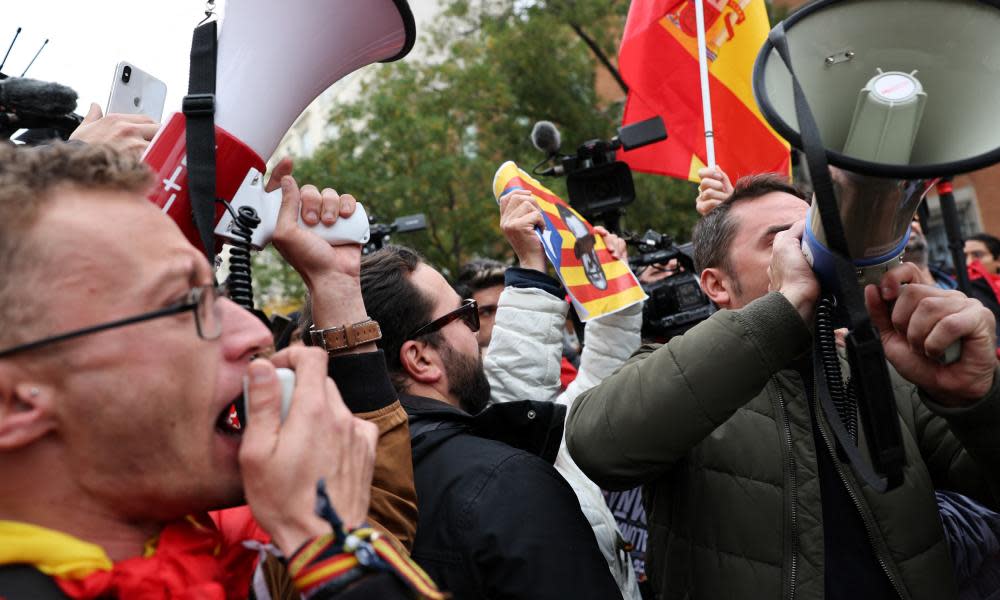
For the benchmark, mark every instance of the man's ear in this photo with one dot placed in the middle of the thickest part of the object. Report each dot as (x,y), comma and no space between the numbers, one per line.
(421,362)
(715,284)
(25,412)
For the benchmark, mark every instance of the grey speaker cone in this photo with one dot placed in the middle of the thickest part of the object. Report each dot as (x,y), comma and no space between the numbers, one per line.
(838,45)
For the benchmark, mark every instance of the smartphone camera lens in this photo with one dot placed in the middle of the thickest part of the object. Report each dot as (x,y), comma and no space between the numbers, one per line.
(126,74)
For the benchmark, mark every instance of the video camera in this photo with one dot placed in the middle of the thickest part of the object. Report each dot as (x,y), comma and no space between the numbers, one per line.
(43,109)
(599,185)
(676,302)
(381,233)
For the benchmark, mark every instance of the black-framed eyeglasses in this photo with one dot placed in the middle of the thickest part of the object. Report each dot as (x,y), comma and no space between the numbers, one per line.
(468,311)
(201,300)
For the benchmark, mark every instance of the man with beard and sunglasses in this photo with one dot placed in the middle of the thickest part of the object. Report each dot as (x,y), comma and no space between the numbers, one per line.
(496,519)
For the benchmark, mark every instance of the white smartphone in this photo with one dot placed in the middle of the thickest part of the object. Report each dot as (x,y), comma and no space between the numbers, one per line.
(136,92)
(286,377)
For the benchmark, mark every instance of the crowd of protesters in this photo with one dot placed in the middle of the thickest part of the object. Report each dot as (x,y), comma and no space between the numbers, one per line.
(456,438)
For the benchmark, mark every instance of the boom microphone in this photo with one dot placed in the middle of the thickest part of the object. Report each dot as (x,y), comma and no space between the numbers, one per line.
(546,138)
(36,105)
(32,98)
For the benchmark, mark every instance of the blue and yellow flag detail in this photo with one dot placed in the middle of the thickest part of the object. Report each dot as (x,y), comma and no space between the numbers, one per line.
(598,283)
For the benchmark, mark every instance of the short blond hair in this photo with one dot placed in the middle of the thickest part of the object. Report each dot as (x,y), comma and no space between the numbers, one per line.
(28,179)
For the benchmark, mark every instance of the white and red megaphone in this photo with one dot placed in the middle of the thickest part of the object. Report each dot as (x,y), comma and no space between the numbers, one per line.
(274,58)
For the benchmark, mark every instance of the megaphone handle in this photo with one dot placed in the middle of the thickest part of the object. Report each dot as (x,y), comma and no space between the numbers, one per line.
(951,354)
(350,230)
(347,230)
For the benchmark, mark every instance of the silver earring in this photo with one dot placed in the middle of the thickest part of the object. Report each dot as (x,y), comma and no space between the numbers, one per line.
(34,392)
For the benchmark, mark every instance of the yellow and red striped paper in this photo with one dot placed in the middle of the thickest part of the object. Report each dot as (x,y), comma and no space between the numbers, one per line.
(622,288)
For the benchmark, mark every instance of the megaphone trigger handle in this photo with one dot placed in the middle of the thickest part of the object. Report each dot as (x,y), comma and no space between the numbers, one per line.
(347,230)
(350,230)
(952,354)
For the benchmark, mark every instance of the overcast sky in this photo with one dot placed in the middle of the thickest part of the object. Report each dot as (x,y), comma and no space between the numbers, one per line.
(87,39)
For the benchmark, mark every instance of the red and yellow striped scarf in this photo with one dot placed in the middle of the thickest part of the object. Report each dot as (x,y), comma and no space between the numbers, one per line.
(189,559)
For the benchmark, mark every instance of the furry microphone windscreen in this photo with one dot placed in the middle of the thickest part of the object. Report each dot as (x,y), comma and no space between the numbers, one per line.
(30,97)
(545,137)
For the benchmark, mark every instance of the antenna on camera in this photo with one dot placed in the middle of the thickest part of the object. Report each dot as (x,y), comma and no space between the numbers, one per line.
(9,48)
(44,44)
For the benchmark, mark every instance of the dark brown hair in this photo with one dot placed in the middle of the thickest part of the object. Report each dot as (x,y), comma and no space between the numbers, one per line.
(992,244)
(394,301)
(713,234)
(479,274)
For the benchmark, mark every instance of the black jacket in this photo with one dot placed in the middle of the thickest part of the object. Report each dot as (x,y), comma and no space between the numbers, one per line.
(496,519)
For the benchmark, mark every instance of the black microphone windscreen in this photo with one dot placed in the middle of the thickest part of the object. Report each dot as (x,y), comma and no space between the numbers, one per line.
(33,97)
(545,137)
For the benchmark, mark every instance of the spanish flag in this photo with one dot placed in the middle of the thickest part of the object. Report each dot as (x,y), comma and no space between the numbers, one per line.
(658,59)
(598,283)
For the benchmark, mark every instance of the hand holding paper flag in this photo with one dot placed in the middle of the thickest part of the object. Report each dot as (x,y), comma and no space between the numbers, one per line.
(598,283)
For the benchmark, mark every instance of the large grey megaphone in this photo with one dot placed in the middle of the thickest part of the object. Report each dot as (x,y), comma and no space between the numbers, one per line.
(903,91)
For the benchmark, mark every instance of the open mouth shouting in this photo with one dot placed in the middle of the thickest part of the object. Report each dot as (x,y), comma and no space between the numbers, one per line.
(231,419)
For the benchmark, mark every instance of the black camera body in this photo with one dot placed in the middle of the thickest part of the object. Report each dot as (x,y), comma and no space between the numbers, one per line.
(381,233)
(676,303)
(599,185)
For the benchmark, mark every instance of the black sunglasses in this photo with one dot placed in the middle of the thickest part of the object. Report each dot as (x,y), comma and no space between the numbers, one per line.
(201,300)
(468,311)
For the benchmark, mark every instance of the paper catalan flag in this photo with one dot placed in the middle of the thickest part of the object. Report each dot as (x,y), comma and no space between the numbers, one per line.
(598,283)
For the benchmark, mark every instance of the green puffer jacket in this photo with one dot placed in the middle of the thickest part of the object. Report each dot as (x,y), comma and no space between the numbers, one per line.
(717,428)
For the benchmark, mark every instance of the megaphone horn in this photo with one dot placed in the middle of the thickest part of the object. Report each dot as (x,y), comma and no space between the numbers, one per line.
(274,58)
(862,60)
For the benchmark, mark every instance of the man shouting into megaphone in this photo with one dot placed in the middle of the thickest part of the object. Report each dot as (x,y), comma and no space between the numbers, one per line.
(119,367)
(747,494)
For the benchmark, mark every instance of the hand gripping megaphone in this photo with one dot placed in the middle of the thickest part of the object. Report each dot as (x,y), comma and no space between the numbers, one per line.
(274,58)
(903,91)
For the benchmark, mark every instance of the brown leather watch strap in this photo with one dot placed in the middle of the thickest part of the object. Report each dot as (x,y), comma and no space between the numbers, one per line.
(345,337)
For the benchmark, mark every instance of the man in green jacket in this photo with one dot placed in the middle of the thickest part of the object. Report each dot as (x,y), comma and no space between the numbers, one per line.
(745,493)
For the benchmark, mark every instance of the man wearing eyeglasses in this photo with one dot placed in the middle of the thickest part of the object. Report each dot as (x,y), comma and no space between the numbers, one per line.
(119,368)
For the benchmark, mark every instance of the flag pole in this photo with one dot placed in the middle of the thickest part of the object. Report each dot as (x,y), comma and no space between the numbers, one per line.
(706,97)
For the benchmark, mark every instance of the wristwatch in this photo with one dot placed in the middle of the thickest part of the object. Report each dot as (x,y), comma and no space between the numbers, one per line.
(345,337)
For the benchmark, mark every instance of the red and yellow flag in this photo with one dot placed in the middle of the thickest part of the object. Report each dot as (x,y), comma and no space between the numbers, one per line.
(598,283)
(659,62)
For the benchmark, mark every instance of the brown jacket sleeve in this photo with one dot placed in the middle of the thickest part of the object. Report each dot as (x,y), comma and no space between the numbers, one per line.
(393,507)
(364,383)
